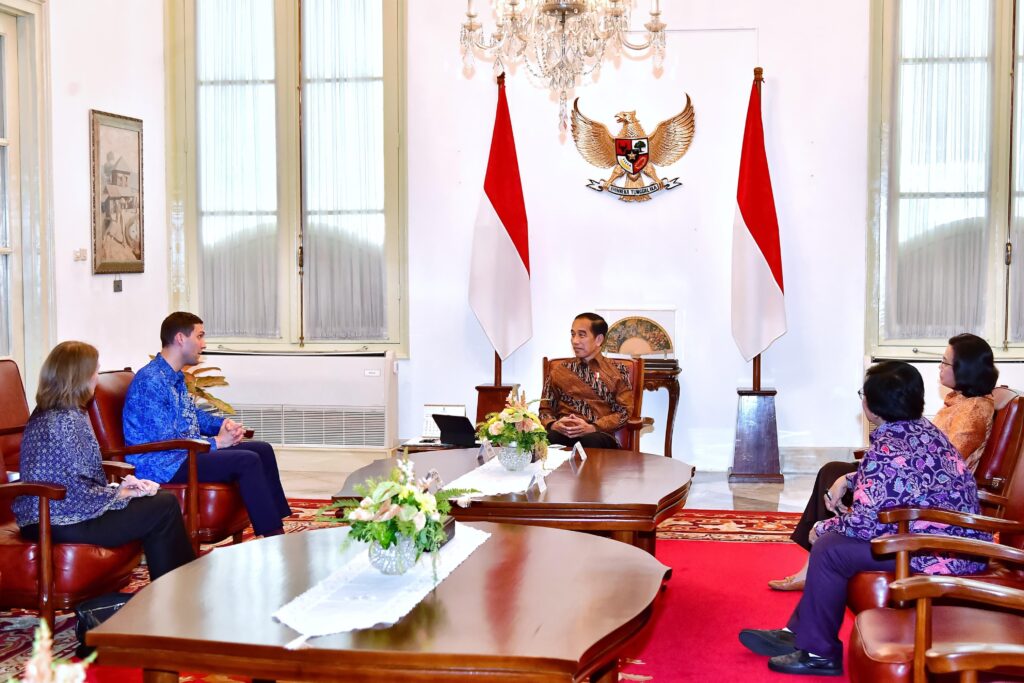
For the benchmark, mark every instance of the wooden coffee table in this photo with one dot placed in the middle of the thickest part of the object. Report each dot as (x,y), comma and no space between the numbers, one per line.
(529,604)
(621,494)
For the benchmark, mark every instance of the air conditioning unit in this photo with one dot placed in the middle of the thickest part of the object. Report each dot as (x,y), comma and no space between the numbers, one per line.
(346,401)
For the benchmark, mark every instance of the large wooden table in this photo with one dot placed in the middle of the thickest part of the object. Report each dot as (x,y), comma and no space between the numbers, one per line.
(527,605)
(620,494)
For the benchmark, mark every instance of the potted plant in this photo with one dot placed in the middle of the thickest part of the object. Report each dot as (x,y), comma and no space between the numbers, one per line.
(517,432)
(400,518)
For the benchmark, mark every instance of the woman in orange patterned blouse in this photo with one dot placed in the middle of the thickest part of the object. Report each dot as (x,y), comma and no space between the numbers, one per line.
(967,368)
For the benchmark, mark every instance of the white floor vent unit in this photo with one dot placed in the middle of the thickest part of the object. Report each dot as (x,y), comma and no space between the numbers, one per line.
(326,401)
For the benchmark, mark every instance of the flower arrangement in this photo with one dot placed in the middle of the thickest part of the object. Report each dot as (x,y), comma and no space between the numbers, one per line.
(515,424)
(43,669)
(401,505)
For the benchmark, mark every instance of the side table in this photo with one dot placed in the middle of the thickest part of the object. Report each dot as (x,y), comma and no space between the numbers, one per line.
(664,374)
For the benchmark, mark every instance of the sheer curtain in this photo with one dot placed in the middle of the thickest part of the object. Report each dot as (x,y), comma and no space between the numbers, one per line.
(237,167)
(935,259)
(343,148)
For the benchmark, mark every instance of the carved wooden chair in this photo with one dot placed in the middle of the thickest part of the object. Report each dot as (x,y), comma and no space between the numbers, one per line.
(40,574)
(212,512)
(628,436)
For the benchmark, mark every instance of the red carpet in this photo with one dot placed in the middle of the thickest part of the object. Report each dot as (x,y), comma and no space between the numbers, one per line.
(716,589)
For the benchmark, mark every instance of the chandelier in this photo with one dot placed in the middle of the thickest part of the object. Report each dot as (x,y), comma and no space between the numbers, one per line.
(561,41)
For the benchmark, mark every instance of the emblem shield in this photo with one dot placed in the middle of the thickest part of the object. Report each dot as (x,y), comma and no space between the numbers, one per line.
(632,153)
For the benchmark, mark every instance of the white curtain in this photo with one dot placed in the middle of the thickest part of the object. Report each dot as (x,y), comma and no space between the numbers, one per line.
(237,167)
(343,148)
(935,259)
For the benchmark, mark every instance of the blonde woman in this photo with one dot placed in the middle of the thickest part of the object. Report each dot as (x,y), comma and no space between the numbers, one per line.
(59,447)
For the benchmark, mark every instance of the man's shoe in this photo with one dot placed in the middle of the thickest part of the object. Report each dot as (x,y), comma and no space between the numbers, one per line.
(768,642)
(802,662)
(790,583)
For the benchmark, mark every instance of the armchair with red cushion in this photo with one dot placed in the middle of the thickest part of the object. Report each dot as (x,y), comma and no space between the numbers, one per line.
(40,574)
(212,512)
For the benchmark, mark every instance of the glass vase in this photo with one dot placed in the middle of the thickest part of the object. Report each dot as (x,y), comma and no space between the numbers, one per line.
(397,559)
(512,458)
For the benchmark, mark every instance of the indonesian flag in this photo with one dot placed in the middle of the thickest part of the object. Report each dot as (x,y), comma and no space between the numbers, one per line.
(499,276)
(758,308)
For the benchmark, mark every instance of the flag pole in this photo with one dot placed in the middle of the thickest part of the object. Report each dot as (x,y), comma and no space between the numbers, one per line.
(756,384)
(756,446)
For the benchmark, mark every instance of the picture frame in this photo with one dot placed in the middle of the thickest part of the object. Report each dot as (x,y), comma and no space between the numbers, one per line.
(118,244)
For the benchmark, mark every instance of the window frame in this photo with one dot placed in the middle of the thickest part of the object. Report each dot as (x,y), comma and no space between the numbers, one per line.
(184,264)
(883,174)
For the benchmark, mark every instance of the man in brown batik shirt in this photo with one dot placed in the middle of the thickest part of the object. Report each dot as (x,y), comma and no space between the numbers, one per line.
(588,397)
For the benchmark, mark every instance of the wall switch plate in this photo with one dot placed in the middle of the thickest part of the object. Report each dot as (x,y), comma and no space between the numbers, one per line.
(117,285)
(79,254)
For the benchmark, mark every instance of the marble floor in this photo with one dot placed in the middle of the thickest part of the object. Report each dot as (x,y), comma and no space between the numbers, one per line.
(317,475)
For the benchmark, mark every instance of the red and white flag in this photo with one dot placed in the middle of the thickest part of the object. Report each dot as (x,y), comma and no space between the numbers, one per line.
(499,276)
(758,306)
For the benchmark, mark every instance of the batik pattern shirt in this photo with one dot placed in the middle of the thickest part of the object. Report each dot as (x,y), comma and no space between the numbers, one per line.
(158,407)
(911,464)
(967,421)
(59,447)
(598,391)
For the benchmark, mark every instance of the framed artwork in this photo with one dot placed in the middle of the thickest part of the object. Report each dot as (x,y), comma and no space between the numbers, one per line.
(117,237)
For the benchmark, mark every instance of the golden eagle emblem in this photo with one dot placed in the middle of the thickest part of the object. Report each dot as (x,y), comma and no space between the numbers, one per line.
(631,153)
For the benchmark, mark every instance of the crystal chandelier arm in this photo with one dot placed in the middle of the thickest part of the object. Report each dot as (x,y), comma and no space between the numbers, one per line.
(621,35)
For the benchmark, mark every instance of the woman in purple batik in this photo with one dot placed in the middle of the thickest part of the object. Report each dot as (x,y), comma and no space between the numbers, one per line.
(911,463)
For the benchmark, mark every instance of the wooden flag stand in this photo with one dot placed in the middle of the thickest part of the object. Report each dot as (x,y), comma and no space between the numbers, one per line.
(490,398)
(755,456)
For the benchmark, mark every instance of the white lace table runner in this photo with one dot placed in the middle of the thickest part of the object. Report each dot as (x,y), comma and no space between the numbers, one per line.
(358,596)
(491,479)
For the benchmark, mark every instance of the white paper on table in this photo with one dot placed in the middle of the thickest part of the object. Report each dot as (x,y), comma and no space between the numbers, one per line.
(357,596)
(491,479)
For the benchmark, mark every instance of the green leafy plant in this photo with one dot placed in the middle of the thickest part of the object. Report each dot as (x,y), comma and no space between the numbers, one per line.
(397,505)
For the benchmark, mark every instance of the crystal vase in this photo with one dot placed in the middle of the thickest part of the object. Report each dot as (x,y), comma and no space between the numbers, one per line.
(397,559)
(512,458)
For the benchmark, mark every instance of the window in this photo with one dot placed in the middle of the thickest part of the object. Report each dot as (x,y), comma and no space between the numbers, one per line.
(947,227)
(11,311)
(288,205)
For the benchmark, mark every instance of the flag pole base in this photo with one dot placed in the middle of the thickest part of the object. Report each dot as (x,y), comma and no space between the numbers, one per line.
(756,450)
(490,398)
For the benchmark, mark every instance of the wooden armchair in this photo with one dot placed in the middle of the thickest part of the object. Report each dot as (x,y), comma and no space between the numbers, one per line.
(40,574)
(628,436)
(1000,469)
(893,644)
(212,512)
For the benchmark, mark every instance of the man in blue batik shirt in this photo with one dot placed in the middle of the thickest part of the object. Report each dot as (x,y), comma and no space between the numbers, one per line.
(158,407)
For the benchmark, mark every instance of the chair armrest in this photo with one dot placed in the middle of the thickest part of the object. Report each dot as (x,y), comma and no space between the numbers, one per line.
(993,499)
(635,424)
(249,433)
(858,453)
(969,521)
(957,587)
(7,431)
(32,488)
(957,657)
(116,471)
(899,543)
(192,445)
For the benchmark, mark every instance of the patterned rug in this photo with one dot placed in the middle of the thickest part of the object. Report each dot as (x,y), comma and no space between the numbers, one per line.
(729,525)
(17,626)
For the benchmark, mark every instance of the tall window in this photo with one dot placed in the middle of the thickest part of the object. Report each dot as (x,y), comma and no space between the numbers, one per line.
(946,222)
(11,312)
(291,198)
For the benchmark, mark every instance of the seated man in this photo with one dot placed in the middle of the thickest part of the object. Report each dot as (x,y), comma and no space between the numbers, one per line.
(586,399)
(159,407)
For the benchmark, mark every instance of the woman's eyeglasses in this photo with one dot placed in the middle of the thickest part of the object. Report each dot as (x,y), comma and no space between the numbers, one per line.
(945,362)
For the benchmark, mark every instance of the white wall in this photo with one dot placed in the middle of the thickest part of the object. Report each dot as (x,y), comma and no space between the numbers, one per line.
(587,250)
(107,55)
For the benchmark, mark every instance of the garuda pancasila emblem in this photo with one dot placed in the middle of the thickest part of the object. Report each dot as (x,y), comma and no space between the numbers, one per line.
(631,153)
